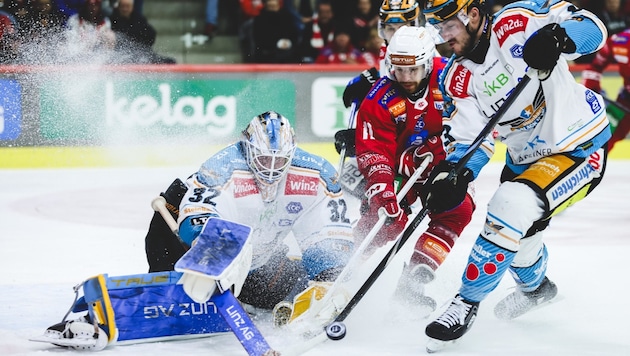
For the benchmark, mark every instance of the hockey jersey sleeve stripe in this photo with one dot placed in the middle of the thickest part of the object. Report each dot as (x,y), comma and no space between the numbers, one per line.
(602,123)
(585,33)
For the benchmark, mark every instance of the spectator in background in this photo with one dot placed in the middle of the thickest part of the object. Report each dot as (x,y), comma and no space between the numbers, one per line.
(612,13)
(89,35)
(212,15)
(318,33)
(8,35)
(364,19)
(275,34)
(373,45)
(302,10)
(134,36)
(340,50)
(615,51)
(42,33)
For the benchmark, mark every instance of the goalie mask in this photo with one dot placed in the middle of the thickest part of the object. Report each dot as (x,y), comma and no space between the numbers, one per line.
(269,144)
(395,14)
(409,59)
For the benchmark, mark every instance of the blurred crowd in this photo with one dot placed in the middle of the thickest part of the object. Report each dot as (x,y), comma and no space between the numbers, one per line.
(270,31)
(76,31)
(345,31)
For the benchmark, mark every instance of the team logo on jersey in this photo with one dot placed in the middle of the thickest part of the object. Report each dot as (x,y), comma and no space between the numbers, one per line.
(458,84)
(398,111)
(294,207)
(517,51)
(508,26)
(285,222)
(591,99)
(244,187)
(301,185)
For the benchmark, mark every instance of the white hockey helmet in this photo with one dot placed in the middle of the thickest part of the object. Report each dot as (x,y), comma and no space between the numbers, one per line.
(410,53)
(269,144)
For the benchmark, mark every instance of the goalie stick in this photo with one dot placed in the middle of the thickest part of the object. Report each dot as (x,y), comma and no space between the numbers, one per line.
(228,306)
(337,330)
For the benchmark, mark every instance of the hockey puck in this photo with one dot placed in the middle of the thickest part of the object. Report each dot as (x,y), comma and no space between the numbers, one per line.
(336,331)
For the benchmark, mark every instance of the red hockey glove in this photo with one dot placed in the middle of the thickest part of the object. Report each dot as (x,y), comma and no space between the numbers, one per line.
(413,156)
(381,199)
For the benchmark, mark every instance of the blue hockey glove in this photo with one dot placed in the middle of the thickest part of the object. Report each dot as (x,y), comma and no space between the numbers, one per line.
(444,190)
(359,86)
(542,49)
(345,138)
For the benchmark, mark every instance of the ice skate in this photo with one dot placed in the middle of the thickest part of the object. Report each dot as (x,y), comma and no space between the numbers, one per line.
(518,302)
(410,290)
(281,313)
(78,334)
(452,324)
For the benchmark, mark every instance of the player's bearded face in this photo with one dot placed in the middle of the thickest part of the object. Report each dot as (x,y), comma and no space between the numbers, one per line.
(409,77)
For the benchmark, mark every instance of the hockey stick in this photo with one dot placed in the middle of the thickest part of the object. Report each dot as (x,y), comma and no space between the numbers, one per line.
(616,104)
(337,330)
(228,306)
(357,256)
(342,152)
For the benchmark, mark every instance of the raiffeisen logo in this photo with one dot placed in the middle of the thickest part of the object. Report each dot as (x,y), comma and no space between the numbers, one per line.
(147,110)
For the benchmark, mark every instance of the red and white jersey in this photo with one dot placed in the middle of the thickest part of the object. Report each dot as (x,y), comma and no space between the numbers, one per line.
(387,115)
(615,51)
(309,201)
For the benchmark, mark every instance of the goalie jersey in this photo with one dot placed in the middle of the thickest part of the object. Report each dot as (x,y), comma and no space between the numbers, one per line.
(309,203)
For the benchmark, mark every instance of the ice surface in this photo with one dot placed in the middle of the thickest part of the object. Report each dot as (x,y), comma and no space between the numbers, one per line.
(60,226)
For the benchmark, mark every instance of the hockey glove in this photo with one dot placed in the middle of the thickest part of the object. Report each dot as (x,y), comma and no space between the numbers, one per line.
(444,190)
(381,199)
(542,49)
(413,156)
(359,86)
(345,138)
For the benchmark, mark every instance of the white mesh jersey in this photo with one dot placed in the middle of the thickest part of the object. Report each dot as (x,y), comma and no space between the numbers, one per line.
(550,116)
(309,201)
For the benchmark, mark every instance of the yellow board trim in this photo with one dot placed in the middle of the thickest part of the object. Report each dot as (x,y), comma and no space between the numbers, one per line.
(150,156)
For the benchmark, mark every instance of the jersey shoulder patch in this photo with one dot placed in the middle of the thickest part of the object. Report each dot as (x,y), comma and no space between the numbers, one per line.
(218,169)
(327,172)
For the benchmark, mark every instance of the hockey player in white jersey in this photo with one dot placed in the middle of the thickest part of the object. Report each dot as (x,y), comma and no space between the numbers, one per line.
(263,182)
(555,132)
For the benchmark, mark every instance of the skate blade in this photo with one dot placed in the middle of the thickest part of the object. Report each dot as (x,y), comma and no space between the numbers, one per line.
(501,316)
(435,345)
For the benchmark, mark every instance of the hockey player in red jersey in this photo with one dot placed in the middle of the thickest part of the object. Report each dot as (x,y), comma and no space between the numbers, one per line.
(398,124)
(615,51)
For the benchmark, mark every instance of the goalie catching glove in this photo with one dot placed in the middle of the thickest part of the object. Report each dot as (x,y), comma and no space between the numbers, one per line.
(304,307)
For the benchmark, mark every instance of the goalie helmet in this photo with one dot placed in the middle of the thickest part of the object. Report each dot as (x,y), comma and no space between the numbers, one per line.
(394,14)
(269,144)
(411,53)
(436,11)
